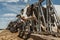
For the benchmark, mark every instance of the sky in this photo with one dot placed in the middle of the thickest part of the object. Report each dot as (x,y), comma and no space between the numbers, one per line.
(10,8)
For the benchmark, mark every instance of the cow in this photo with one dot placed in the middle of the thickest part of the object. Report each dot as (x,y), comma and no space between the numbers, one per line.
(12,27)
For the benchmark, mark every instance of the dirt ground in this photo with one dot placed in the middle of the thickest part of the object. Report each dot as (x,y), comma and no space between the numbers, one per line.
(7,35)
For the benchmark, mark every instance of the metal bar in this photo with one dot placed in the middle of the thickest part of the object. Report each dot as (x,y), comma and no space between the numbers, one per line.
(50,11)
(41,14)
(47,13)
(39,21)
(48,4)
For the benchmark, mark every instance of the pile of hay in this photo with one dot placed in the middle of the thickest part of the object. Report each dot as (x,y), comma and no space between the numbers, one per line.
(7,35)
